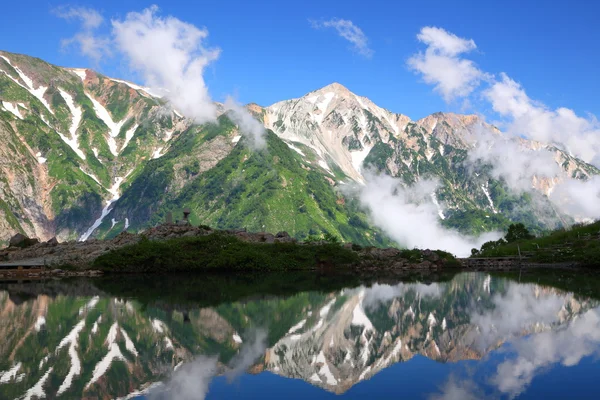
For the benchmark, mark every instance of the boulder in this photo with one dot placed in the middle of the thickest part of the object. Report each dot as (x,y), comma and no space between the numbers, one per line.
(282,234)
(52,242)
(22,241)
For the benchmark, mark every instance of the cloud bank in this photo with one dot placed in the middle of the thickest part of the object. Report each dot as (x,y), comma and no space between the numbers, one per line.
(409,217)
(443,64)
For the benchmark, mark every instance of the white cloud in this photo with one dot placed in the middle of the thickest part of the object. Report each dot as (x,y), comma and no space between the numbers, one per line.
(170,55)
(440,65)
(382,293)
(90,18)
(248,125)
(580,199)
(577,135)
(444,42)
(581,338)
(191,381)
(347,30)
(90,44)
(405,215)
(513,161)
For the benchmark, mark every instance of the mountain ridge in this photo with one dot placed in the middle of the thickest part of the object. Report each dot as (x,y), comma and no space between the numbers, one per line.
(89,156)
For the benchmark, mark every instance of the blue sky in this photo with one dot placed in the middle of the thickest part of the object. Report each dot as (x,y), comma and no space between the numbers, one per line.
(270,51)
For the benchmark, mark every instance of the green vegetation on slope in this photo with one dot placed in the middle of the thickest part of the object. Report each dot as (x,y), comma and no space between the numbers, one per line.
(272,190)
(580,243)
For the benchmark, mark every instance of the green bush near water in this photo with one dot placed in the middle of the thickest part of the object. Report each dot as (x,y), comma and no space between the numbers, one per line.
(217,252)
(580,243)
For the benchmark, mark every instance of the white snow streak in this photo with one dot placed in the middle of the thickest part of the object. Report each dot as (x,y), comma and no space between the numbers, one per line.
(90,305)
(324,370)
(113,127)
(37,93)
(14,109)
(325,310)
(38,389)
(79,72)
(487,194)
(71,340)
(158,325)
(114,354)
(128,343)
(157,153)
(114,190)
(437,204)
(297,150)
(322,106)
(41,321)
(91,176)
(40,159)
(129,135)
(76,112)
(298,326)
(7,376)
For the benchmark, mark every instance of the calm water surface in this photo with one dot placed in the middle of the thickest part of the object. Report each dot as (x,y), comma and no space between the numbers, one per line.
(295,336)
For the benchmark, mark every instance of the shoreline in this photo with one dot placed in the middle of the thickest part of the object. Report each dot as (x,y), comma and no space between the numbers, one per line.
(358,271)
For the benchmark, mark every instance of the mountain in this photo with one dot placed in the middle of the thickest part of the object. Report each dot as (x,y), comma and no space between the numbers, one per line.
(89,156)
(73,340)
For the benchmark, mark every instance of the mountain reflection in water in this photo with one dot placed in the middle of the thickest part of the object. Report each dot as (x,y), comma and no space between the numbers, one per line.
(471,336)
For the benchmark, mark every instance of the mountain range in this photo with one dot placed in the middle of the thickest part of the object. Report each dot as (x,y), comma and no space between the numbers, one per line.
(88,156)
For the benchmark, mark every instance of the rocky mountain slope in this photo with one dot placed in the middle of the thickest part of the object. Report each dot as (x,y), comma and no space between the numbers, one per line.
(73,139)
(90,156)
(349,132)
(74,341)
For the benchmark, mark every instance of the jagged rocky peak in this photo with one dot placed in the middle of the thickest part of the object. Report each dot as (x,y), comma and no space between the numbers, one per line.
(338,125)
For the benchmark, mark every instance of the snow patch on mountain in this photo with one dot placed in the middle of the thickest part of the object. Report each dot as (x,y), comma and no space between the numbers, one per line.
(325,310)
(89,305)
(437,205)
(9,375)
(297,327)
(297,150)
(489,198)
(91,176)
(72,340)
(37,391)
(158,325)
(114,354)
(129,135)
(128,343)
(41,160)
(114,190)
(321,106)
(13,109)
(41,321)
(113,127)
(80,72)
(37,93)
(76,113)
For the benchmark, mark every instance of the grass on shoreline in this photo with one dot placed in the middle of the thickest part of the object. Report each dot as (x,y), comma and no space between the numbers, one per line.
(579,244)
(221,252)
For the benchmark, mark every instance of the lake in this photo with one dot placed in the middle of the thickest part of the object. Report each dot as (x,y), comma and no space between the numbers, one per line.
(298,336)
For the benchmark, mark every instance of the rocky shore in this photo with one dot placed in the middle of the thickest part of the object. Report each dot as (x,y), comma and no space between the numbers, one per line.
(78,257)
